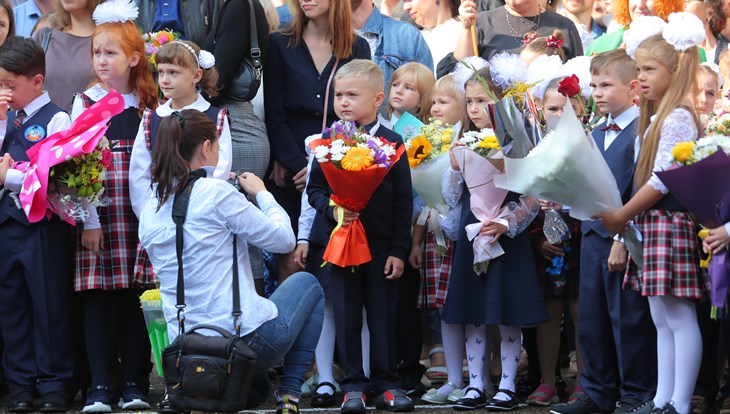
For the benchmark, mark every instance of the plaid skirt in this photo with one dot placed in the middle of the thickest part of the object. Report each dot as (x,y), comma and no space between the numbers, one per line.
(434,274)
(144,274)
(671,257)
(113,267)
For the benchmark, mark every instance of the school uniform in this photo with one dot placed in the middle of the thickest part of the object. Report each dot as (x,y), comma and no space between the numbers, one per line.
(615,330)
(35,272)
(387,223)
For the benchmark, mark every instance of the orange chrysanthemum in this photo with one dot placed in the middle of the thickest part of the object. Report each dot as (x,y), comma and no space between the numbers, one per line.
(357,159)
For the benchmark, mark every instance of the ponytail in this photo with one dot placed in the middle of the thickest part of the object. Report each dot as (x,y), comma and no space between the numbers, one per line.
(178,137)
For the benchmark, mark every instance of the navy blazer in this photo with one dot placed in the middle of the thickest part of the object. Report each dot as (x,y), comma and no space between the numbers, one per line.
(620,159)
(387,217)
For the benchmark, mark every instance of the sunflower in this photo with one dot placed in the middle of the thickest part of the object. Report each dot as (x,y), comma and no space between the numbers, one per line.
(418,151)
(357,159)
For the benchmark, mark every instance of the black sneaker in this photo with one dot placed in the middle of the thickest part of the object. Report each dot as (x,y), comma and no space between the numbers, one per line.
(394,400)
(627,405)
(582,405)
(98,400)
(132,398)
(353,403)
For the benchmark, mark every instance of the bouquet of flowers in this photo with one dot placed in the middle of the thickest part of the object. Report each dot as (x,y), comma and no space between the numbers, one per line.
(154,40)
(428,157)
(354,164)
(480,159)
(156,324)
(700,184)
(67,168)
(719,124)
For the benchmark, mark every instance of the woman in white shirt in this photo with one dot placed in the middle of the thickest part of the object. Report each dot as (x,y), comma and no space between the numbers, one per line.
(286,326)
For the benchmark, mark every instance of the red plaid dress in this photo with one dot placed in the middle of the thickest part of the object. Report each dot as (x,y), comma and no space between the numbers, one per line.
(113,267)
(671,257)
(143,271)
(434,274)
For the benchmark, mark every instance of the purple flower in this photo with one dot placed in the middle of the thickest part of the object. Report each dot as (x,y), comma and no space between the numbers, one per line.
(379,156)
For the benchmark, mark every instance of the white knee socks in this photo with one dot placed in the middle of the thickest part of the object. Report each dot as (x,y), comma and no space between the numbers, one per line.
(510,348)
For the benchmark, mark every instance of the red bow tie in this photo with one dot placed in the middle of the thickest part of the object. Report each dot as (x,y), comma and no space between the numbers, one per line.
(611,127)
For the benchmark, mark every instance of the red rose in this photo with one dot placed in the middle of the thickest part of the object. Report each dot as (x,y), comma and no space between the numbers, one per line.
(569,86)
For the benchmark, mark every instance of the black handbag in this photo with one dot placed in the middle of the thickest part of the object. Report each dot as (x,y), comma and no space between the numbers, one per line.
(205,373)
(247,80)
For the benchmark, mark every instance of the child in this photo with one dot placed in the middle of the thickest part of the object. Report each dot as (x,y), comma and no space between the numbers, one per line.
(106,249)
(37,257)
(358,89)
(670,277)
(709,82)
(549,45)
(476,102)
(508,294)
(410,91)
(448,103)
(553,102)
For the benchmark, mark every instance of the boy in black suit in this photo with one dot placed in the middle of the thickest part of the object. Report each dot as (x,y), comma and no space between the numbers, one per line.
(358,90)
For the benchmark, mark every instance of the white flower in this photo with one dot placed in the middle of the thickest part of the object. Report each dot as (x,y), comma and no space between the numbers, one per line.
(463,72)
(115,11)
(507,69)
(684,30)
(338,156)
(320,153)
(206,60)
(641,28)
(388,150)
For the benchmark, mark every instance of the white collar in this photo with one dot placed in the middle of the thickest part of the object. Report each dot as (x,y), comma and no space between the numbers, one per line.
(97,92)
(625,118)
(200,104)
(36,104)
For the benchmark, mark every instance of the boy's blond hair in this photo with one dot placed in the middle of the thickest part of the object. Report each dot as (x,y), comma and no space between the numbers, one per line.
(615,62)
(363,69)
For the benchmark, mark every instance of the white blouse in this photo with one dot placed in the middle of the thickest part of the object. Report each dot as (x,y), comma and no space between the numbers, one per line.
(679,126)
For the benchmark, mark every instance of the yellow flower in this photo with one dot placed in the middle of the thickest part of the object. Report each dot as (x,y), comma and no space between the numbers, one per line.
(152,294)
(683,151)
(357,159)
(489,142)
(445,147)
(420,149)
(446,136)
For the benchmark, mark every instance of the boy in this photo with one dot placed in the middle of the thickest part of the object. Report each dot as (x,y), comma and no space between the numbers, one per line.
(358,90)
(616,334)
(35,272)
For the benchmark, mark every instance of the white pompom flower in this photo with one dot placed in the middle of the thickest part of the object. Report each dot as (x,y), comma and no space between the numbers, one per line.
(206,59)
(541,71)
(580,66)
(641,28)
(463,72)
(507,70)
(115,11)
(684,30)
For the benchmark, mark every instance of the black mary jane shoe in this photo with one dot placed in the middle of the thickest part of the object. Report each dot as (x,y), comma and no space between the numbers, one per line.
(502,405)
(467,403)
(324,400)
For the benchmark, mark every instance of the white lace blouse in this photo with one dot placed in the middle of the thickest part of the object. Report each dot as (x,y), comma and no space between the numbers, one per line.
(679,126)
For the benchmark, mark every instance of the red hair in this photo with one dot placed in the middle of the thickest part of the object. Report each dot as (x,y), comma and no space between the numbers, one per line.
(663,9)
(140,75)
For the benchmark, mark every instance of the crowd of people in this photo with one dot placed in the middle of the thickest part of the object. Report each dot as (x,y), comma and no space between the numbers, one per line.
(650,76)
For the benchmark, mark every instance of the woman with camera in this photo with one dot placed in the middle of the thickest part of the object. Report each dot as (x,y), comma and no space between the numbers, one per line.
(286,326)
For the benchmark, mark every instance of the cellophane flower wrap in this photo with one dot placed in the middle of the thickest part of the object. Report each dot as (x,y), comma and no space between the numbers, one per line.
(428,157)
(156,325)
(700,183)
(67,169)
(354,164)
(567,168)
(480,160)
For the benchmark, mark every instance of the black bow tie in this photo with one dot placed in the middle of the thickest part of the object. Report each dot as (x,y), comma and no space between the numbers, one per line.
(611,127)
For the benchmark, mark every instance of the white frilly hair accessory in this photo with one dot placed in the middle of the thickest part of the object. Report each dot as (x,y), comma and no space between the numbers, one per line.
(641,29)
(115,11)
(541,71)
(684,30)
(463,72)
(580,66)
(206,60)
(715,69)
(507,69)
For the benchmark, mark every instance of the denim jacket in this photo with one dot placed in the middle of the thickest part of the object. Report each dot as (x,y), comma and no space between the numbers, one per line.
(394,43)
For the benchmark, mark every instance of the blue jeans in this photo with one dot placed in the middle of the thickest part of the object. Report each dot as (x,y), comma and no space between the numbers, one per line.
(293,334)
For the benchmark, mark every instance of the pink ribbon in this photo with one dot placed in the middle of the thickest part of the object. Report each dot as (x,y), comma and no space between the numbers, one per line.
(81,138)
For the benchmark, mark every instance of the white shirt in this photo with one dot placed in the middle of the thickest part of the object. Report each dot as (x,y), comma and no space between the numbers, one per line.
(679,126)
(59,122)
(140,165)
(216,212)
(622,121)
(441,40)
(96,93)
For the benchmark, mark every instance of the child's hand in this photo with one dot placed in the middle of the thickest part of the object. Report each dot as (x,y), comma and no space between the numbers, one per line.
(5,97)
(618,257)
(716,240)
(493,229)
(93,240)
(300,179)
(251,184)
(300,255)
(547,205)
(452,157)
(467,13)
(349,216)
(611,221)
(416,257)
(549,251)
(5,163)
(393,268)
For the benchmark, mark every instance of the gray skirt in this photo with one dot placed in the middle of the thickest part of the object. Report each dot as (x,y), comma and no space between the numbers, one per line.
(250,145)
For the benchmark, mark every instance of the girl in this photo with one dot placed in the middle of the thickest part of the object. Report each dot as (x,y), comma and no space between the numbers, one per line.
(709,83)
(105,250)
(549,45)
(411,89)
(508,294)
(476,117)
(7,20)
(553,102)
(670,277)
(282,328)
(448,102)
